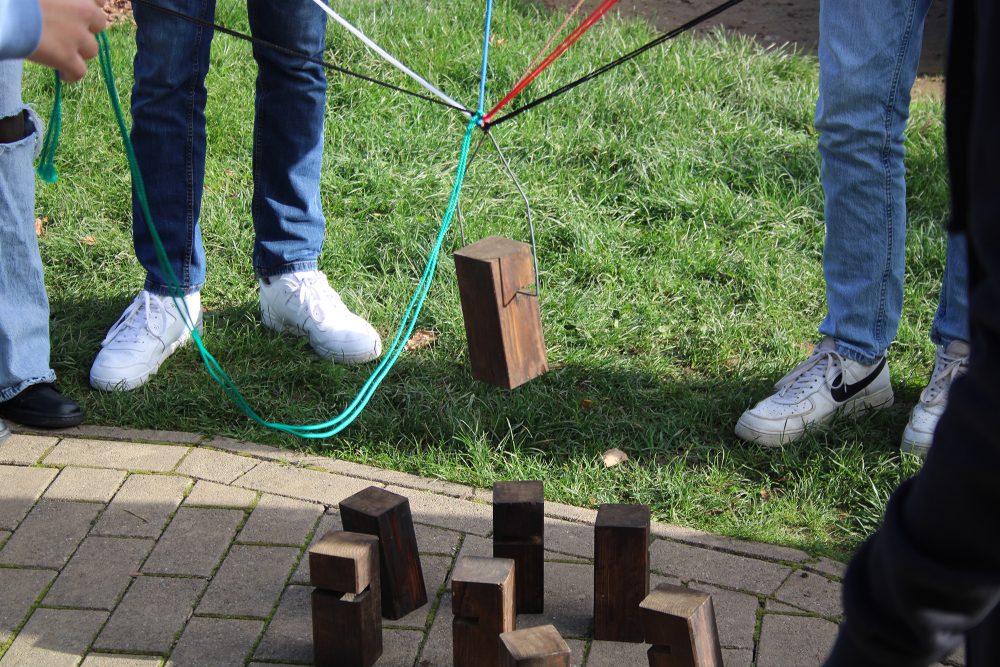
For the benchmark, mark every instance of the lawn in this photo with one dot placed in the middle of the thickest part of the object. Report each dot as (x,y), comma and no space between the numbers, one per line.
(680,235)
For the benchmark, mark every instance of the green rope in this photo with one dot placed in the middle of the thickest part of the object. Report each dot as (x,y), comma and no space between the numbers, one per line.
(344,419)
(46,167)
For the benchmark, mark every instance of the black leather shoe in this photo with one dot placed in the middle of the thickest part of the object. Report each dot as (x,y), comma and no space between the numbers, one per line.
(42,406)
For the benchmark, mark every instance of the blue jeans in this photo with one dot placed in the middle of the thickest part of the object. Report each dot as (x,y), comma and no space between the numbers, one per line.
(868,56)
(24,307)
(168,111)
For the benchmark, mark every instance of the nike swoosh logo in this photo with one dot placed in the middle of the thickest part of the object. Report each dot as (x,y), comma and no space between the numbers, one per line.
(846,391)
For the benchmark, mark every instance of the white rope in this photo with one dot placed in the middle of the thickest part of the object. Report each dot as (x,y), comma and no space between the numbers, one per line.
(387,56)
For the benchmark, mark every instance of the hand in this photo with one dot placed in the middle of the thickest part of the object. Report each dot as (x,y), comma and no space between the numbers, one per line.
(68,29)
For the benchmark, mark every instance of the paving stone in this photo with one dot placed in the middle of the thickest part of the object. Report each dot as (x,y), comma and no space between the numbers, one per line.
(699,537)
(253,449)
(811,592)
(431,540)
(19,589)
(569,600)
(219,642)
(330,521)
(715,567)
(399,647)
(19,489)
(94,485)
(142,506)
(152,613)
(289,635)
(4,534)
(793,641)
(774,605)
(735,615)
(194,542)
(320,487)
(109,454)
(212,494)
(437,650)
(99,572)
(118,660)
(737,657)
(832,567)
(278,520)
(54,637)
(617,654)
(24,449)
(583,515)
(435,573)
(49,535)
(249,582)
(393,477)
(571,538)
(130,434)
(215,466)
(448,512)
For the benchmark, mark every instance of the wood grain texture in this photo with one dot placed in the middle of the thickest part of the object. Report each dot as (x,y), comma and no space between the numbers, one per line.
(680,622)
(534,647)
(482,593)
(621,571)
(347,629)
(344,562)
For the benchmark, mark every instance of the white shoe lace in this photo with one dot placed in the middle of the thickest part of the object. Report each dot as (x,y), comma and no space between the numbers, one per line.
(822,365)
(315,293)
(146,314)
(947,369)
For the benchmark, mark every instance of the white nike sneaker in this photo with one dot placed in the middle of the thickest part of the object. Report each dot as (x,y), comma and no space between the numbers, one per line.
(949,365)
(814,392)
(148,332)
(303,303)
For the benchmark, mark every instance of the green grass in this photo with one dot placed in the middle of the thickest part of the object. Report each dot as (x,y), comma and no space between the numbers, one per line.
(679,217)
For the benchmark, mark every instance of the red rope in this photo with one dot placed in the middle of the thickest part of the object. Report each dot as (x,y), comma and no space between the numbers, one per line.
(559,50)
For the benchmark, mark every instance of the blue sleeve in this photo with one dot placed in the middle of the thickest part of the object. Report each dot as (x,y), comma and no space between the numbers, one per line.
(20,28)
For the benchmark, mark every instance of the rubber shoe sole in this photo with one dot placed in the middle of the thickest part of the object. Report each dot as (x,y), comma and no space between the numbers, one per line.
(912,443)
(361,357)
(128,384)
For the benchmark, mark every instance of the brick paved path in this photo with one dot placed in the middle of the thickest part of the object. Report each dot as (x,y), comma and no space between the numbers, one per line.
(123,553)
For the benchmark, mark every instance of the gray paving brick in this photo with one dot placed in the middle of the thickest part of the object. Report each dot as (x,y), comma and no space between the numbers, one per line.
(571,538)
(215,466)
(194,542)
(431,540)
(811,592)
(399,647)
(93,432)
(24,449)
(253,449)
(109,454)
(330,521)
(583,515)
(289,635)
(448,512)
(794,641)
(219,642)
(834,568)
(249,582)
(142,506)
(780,607)
(700,537)
(737,657)
(212,494)
(278,520)
(435,572)
(4,534)
(151,614)
(735,615)
(54,637)
(99,572)
(569,600)
(49,535)
(118,660)
(320,487)
(394,477)
(437,650)
(20,488)
(617,654)
(19,589)
(715,567)
(95,485)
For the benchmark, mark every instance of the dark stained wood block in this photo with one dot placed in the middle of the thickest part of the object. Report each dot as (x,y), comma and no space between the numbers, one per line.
(518,510)
(386,515)
(347,629)
(529,572)
(621,571)
(344,562)
(680,623)
(534,647)
(503,324)
(482,598)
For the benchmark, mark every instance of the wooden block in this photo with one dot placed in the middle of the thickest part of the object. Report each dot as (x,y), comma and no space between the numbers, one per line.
(482,598)
(343,562)
(347,629)
(680,622)
(503,324)
(386,515)
(534,647)
(621,571)
(529,572)
(518,510)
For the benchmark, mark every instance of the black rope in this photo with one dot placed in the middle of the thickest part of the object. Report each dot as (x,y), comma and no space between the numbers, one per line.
(289,52)
(624,59)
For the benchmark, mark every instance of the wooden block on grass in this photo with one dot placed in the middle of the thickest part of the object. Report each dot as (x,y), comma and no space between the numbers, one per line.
(621,571)
(482,595)
(534,647)
(680,624)
(386,515)
(347,629)
(503,324)
(344,562)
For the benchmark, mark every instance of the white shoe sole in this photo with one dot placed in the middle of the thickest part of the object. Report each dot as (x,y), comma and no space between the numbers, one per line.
(348,359)
(868,403)
(4,431)
(913,443)
(128,384)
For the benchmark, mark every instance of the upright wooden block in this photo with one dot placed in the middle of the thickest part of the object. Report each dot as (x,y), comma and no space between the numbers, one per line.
(345,562)
(482,597)
(680,624)
(502,323)
(519,534)
(621,571)
(347,629)
(534,647)
(375,511)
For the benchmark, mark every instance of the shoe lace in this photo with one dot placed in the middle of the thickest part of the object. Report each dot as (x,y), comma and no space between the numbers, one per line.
(947,369)
(136,320)
(314,292)
(821,366)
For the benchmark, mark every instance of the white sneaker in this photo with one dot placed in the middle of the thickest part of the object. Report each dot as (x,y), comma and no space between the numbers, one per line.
(4,431)
(815,391)
(950,364)
(148,332)
(303,303)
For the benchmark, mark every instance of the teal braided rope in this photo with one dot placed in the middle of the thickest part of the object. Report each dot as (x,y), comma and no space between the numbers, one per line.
(46,166)
(344,419)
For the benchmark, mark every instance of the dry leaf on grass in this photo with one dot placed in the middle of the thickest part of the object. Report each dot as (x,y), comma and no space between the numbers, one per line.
(118,10)
(613,457)
(88,240)
(40,225)
(421,338)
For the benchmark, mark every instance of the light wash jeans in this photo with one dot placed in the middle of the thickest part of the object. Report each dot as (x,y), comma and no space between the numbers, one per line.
(24,307)
(169,133)
(868,56)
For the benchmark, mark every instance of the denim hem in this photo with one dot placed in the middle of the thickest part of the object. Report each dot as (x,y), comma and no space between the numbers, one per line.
(167,290)
(284,269)
(854,354)
(944,341)
(11,392)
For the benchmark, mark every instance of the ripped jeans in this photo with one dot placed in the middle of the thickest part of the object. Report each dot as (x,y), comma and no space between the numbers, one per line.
(24,307)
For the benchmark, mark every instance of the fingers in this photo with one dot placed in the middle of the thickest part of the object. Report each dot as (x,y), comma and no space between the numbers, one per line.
(89,49)
(98,19)
(75,70)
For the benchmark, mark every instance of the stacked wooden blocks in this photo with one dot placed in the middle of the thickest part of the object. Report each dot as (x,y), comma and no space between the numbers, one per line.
(482,598)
